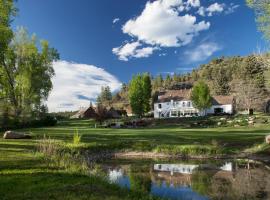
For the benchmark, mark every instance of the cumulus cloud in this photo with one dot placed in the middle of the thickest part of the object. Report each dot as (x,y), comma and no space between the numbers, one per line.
(75,85)
(201,52)
(115,20)
(194,3)
(217,8)
(133,49)
(166,23)
(160,25)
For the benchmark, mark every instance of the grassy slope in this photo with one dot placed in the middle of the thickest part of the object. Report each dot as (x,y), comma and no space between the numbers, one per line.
(233,138)
(23,174)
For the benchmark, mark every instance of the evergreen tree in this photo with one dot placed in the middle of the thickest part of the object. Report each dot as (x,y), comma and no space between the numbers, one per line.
(168,82)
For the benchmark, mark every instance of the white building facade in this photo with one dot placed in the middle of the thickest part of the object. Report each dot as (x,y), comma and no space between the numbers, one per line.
(177,103)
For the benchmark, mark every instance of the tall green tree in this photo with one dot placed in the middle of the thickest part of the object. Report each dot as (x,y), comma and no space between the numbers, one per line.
(262,11)
(105,96)
(27,72)
(158,82)
(147,92)
(136,95)
(200,96)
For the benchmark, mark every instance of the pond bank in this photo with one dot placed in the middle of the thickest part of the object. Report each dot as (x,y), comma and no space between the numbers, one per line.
(153,155)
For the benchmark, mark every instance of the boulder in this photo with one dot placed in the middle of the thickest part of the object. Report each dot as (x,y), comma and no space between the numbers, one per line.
(267,139)
(15,135)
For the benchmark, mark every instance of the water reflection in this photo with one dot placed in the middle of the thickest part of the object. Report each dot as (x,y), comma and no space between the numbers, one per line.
(193,181)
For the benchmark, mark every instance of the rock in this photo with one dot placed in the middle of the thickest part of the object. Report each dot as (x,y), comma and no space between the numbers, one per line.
(219,123)
(230,122)
(250,122)
(236,125)
(15,135)
(222,119)
(267,139)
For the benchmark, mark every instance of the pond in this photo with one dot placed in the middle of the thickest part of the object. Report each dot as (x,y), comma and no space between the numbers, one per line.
(192,180)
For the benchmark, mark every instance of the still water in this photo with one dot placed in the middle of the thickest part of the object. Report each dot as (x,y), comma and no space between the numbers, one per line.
(192,180)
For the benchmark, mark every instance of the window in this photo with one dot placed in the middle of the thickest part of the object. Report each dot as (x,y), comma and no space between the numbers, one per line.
(159,105)
(174,113)
(184,104)
(188,104)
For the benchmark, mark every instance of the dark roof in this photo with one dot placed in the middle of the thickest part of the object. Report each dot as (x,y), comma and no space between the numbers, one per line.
(222,100)
(185,95)
(176,95)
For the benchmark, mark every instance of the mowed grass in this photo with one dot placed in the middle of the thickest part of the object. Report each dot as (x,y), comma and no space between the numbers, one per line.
(24,174)
(235,138)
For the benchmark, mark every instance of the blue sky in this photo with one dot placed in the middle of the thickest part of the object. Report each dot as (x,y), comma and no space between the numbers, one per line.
(161,36)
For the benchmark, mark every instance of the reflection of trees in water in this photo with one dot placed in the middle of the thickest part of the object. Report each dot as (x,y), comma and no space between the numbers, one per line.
(140,179)
(241,184)
(201,182)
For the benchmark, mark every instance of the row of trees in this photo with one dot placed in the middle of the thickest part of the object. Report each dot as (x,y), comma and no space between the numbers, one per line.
(25,70)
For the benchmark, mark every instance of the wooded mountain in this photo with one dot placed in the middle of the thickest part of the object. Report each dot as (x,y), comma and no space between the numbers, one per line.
(247,78)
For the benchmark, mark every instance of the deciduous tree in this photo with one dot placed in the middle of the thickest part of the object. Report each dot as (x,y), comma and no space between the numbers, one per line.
(200,96)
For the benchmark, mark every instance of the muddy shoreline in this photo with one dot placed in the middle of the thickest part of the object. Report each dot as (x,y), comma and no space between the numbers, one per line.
(152,155)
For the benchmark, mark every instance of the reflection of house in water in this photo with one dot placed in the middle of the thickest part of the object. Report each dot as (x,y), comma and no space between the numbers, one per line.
(181,174)
(175,168)
(115,174)
(188,168)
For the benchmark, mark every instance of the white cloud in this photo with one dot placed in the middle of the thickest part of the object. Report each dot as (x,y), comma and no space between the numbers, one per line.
(194,3)
(116,20)
(201,52)
(133,49)
(160,24)
(231,9)
(217,8)
(166,23)
(75,85)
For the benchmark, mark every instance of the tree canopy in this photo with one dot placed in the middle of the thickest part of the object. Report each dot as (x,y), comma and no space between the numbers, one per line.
(262,11)
(140,90)
(200,96)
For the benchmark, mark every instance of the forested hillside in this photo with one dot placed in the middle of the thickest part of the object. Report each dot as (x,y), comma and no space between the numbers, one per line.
(247,78)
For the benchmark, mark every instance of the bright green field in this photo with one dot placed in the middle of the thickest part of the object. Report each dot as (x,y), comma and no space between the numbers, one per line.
(23,174)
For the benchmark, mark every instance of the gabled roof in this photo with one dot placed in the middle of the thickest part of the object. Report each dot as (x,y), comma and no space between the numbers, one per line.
(185,95)
(222,100)
(176,95)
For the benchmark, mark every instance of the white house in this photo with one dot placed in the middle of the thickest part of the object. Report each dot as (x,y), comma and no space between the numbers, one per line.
(177,103)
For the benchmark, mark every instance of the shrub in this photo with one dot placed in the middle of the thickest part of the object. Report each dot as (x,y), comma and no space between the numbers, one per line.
(76,138)
(58,154)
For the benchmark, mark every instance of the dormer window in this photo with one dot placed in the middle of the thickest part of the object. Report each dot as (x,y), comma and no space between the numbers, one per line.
(184,104)
(160,106)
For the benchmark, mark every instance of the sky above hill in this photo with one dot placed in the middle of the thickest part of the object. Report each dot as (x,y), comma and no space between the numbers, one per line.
(105,42)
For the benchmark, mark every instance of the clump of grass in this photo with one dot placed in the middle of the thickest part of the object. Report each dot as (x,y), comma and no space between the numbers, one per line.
(77,138)
(59,155)
(262,148)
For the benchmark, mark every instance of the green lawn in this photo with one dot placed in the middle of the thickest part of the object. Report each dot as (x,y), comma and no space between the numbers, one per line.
(24,175)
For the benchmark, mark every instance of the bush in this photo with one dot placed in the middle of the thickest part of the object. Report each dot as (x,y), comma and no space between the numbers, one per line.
(76,138)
